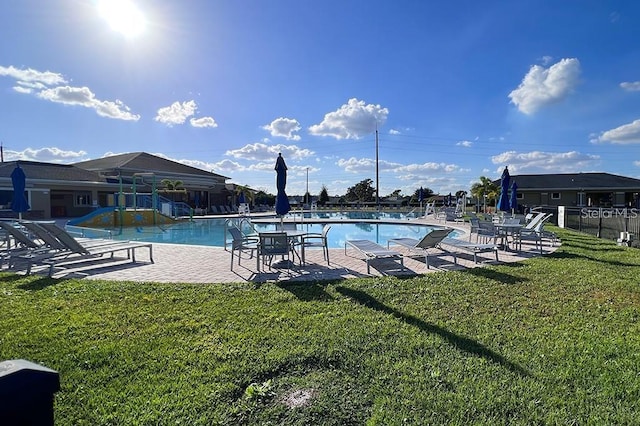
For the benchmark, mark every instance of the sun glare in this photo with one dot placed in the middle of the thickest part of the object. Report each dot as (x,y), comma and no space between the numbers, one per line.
(123,16)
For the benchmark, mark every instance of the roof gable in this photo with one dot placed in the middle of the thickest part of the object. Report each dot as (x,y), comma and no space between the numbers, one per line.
(50,171)
(143,162)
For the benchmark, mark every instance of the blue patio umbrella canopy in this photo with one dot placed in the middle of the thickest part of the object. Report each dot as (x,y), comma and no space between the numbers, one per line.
(282,201)
(514,196)
(503,201)
(19,204)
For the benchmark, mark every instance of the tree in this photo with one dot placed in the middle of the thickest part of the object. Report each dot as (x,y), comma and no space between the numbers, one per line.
(249,195)
(362,191)
(426,193)
(323,198)
(171,185)
(485,188)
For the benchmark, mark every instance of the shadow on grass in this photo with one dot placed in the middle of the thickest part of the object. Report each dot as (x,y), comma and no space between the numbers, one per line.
(497,276)
(462,343)
(575,256)
(40,283)
(307,291)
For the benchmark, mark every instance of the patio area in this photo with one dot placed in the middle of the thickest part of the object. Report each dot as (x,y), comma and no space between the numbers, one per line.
(199,264)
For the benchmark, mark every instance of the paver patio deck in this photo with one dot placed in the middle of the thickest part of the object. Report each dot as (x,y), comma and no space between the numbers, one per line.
(199,264)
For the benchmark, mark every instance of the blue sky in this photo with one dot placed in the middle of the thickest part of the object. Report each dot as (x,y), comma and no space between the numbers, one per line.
(457,90)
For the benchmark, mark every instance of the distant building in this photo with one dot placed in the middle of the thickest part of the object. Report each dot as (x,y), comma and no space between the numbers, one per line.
(577,190)
(63,190)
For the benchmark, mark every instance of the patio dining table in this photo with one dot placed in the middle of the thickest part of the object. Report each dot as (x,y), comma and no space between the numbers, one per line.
(292,236)
(508,230)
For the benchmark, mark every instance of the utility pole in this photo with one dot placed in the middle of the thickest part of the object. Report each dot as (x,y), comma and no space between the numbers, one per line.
(307,195)
(377,173)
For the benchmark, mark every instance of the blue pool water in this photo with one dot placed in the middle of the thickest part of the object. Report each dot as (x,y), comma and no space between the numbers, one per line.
(211,232)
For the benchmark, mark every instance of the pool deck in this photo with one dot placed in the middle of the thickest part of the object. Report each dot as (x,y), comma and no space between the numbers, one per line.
(176,263)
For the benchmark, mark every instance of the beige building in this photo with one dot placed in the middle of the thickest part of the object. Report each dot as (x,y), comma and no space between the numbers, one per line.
(62,190)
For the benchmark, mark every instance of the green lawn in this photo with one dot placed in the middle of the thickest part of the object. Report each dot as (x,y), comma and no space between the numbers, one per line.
(551,340)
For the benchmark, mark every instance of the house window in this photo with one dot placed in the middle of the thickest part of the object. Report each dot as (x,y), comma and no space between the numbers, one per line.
(519,196)
(81,199)
(555,195)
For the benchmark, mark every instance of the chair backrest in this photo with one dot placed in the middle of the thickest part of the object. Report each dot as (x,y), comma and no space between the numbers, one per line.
(236,234)
(325,230)
(511,221)
(486,225)
(64,237)
(45,236)
(20,237)
(433,238)
(274,243)
(535,220)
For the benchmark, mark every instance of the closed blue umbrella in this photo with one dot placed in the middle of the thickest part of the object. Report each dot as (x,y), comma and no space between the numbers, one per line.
(19,204)
(282,201)
(241,199)
(503,201)
(514,197)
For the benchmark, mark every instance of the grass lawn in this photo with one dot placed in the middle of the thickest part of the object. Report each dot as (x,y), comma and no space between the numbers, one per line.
(551,340)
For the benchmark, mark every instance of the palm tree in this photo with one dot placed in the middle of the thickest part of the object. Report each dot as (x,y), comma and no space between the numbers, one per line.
(484,189)
(172,186)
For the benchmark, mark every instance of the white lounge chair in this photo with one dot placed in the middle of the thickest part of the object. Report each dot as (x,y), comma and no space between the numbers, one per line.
(461,245)
(423,246)
(69,249)
(372,251)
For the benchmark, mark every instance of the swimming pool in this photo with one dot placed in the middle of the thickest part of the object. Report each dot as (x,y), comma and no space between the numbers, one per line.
(211,232)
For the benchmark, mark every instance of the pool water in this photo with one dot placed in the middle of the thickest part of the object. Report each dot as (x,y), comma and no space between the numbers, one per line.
(211,232)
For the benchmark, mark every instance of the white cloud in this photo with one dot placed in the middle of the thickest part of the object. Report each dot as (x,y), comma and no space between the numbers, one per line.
(30,81)
(631,86)
(353,120)
(47,155)
(465,144)
(538,161)
(82,96)
(394,132)
(405,172)
(544,86)
(625,134)
(32,77)
(264,152)
(203,122)
(176,113)
(284,127)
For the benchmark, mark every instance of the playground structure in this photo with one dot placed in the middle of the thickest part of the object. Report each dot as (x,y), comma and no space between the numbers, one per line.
(136,208)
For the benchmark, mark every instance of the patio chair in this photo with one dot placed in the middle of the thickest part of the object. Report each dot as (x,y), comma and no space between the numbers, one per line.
(273,244)
(423,246)
(487,231)
(69,249)
(469,247)
(536,234)
(316,240)
(241,243)
(22,243)
(373,251)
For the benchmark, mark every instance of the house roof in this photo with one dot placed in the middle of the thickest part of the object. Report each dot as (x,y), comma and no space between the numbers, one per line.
(142,161)
(50,171)
(575,181)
